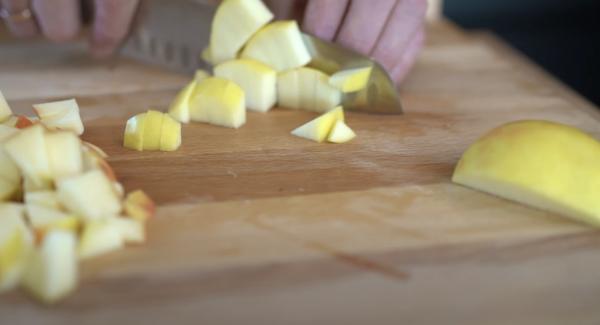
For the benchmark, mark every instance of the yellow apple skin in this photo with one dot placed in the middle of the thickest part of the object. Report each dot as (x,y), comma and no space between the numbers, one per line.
(319,128)
(341,133)
(351,80)
(307,89)
(220,102)
(278,45)
(5,111)
(258,81)
(152,130)
(170,139)
(234,23)
(180,107)
(542,164)
(138,205)
(134,132)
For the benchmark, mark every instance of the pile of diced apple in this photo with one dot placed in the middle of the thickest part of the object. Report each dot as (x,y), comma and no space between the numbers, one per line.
(60,201)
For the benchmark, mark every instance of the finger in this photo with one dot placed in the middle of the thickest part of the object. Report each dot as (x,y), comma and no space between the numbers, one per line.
(287,9)
(363,24)
(405,21)
(112,20)
(323,18)
(59,20)
(409,57)
(19,26)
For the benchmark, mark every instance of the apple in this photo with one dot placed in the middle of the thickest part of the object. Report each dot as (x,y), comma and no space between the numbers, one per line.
(341,133)
(351,80)
(61,115)
(90,195)
(23,122)
(10,121)
(99,152)
(31,186)
(319,129)
(180,107)
(201,75)
(64,154)
(170,135)
(5,111)
(546,165)
(51,272)
(28,150)
(47,199)
(7,132)
(257,80)
(8,190)
(278,45)
(218,101)
(9,171)
(100,237)
(234,23)
(138,205)
(15,244)
(308,89)
(131,230)
(94,158)
(152,130)
(44,217)
(134,132)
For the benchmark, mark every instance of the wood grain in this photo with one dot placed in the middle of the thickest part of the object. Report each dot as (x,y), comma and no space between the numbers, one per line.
(259,227)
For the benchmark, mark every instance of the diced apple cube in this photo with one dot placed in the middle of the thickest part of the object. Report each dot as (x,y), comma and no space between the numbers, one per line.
(138,205)
(258,81)
(319,129)
(308,89)
(132,230)
(60,115)
(100,237)
(15,244)
(47,199)
(218,101)
(28,150)
(64,154)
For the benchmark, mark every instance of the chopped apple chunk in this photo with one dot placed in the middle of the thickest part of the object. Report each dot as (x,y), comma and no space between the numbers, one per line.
(220,102)
(15,244)
(319,129)
(64,154)
(351,80)
(5,111)
(258,81)
(170,135)
(90,195)
(138,205)
(100,237)
(134,132)
(28,150)
(308,89)
(61,115)
(6,132)
(180,107)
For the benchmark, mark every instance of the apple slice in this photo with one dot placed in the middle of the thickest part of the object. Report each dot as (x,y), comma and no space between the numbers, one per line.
(15,244)
(64,154)
(134,132)
(100,237)
(153,130)
(131,230)
(234,23)
(180,107)
(258,81)
(7,132)
(308,89)
(47,199)
(170,135)
(278,45)
(351,80)
(138,205)
(550,166)
(341,133)
(5,111)
(90,195)
(220,102)
(28,150)
(51,272)
(319,128)
(61,115)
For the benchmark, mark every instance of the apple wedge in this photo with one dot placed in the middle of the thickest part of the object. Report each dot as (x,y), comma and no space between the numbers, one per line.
(341,133)
(51,271)
(351,80)
(90,195)
(5,111)
(308,89)
(319,129)
(180,107)
(64,154)
(100,237)
(234,23)
(132,230)
(60,115)
(542,164)
(138,205)
(134,132)
(170,135)
(278,45)
(257,80)
(15,245)
(220,102)
(28,150)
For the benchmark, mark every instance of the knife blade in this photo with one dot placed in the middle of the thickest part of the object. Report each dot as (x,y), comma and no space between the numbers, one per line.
(173,34)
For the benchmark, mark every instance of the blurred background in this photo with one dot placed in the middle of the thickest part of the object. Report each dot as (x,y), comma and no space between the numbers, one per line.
(563,36)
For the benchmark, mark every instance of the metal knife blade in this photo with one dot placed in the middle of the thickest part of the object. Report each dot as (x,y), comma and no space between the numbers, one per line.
(173,34)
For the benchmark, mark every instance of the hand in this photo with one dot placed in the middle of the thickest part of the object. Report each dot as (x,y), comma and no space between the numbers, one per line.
(390,31)
(61,20)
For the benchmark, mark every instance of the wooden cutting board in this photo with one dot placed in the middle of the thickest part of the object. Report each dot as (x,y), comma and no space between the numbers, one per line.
(256,226)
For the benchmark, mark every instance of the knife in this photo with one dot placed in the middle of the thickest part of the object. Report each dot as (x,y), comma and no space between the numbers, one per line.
(173,34)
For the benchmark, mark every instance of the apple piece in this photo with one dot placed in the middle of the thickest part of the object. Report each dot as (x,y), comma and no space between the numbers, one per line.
(90,195)
(44,217)
(138,205)
(319,129)
(257,80)
(15,244)
(64,154)
(28,150)
(94,159)
(31,186)
(51,272)
(206,55)
(101,153)
(308,89)
(60,115)
(9,171)
(341,133)
(278,45)
(546,165)
(47,199)
(134,132)
(180,107)
(8,190)
(5,111)
(351,80)
(23,122)
(152,130)
(7,132)
(131,230)
(170,138)
(99,237)
(200,75)
(234,23)
(220,102)
(10,121)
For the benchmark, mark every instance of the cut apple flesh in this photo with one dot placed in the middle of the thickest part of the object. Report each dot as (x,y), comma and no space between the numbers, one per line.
(131,230)
(278,45)
(47,199)
(7,132)
(308,89)
(152,130)
(134,132)
(257,80)
(546,165)
(234,23)
(351,80)
(341,133)
(220,102)
(90,195)
(99,237)
(64,154)
(15,243)
(61,115)
(5,111)
(28,150)
(319,128)
(170,138)
(138,205)
(180,107)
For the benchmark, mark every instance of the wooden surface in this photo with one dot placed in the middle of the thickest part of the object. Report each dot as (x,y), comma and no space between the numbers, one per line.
(258,227)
